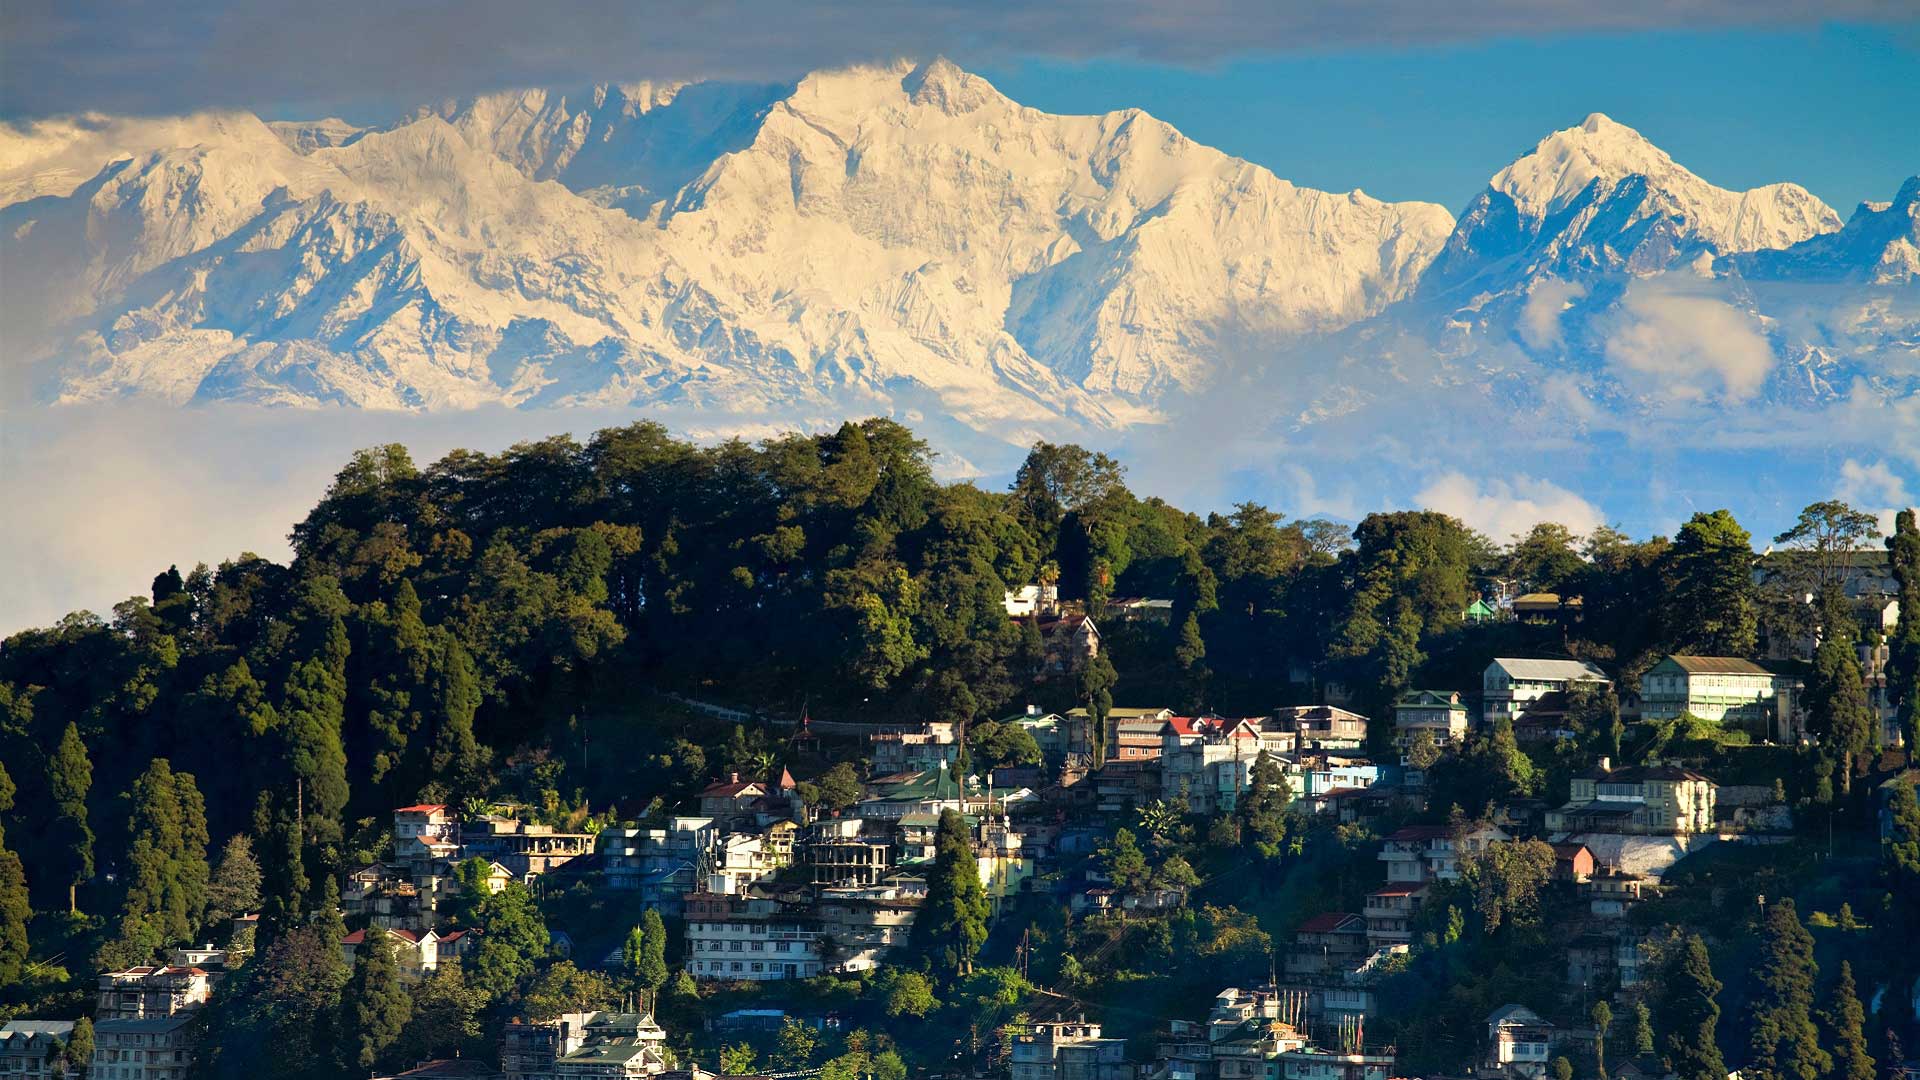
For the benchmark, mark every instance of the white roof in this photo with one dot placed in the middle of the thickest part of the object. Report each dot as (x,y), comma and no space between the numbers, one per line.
(1548,670)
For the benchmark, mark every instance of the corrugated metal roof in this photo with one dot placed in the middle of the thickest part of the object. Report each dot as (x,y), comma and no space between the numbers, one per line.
(1718,665)
(1549,670)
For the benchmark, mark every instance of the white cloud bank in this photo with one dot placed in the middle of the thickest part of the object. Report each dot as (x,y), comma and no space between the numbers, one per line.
(1875,488)
(1546,301)
(1682,348)
(1503,508)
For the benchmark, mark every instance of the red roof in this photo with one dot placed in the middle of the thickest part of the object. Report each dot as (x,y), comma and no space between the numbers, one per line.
(1330,921)
(1421,832)
(730,788)
(423,808)
(1399,890)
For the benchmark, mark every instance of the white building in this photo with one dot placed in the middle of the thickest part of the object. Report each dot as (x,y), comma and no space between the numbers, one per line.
(1519,1040)
(749,939)
(1510,684)
(27,1048)
(1717,688)
(1069,1051)
(155,1049)
(1422,853)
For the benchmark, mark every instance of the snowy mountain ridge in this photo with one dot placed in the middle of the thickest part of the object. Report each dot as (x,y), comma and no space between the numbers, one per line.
(897,239)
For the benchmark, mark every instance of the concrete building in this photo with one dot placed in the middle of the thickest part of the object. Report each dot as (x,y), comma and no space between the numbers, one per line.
(847,851)
(1510,684)
(750,939)
(1662,800)
(917,749)
(415,954)
(1390,912)
(1440,713)
(160,1048)
(1069,1051)
(1724,689)
(861,924)
(1519,1041)
(663,865)
(525,848)
(142,993)
(1423,853)
(28,1048)
(1324,726)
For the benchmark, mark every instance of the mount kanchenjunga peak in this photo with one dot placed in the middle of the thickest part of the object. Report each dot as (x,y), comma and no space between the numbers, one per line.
(873,236)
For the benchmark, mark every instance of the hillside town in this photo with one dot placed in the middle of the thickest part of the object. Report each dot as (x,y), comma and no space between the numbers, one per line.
(1547,867)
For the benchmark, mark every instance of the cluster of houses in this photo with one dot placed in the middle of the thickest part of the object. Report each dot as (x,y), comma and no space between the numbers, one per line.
(143,1027)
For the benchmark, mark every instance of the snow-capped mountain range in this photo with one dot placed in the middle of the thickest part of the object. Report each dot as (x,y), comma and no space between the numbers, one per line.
(903,239)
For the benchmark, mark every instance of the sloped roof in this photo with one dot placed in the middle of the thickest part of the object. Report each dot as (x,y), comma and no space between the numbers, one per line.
(1331,922)
(423,808)
(1527,667)
(1717,665)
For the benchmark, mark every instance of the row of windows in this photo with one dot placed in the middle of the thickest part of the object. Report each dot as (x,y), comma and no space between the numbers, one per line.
(736,967)
(735,946)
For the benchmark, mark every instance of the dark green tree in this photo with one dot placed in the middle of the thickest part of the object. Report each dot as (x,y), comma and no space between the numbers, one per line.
(69,777)
(375,1007)
(1709,606)
(952,924)
(1262,811)
(235,886)
(1837,705)
(16,909)
(79,1049)
(277,1016)
(1602,1017)
(1689,1014)
(1097,679)
(1844,1022)
(167,862)
(1123,861)
(1642,1028)
(645,953)
(1903,659)
(1782,1042)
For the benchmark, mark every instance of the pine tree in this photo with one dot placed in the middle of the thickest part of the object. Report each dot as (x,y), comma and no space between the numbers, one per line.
(1782,1043)
(1845,1023)
(1837,694)
(79,1049)
(69,776)
(167,861)
(457,759)
(313,712)
(1903,659)
(1642,1028)
(1263,809)
(1689,1015)
(646,953)
(952,924)
(1903,846)
(235,888)
(375,1007)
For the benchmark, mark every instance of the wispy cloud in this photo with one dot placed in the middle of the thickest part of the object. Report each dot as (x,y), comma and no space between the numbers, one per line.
(1687,348)
(1540,318)
(1874,487)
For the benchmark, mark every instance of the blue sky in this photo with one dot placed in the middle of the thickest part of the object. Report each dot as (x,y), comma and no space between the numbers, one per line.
(1834,108)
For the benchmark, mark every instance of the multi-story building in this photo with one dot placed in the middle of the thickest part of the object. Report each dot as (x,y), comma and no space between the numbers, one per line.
(1325,726)
(1423,853)
(861,924)
(583,1044)
(425,833)
(29,1049)
(1390,913)
(750,939)
(1313,1063)
(527,849)
(1519,1041)
(1659,800)
(1440,713)
(157,1048)
(743,859)
(1510,684)
(142,993)
(1069,1051)
(917,749)
(415,954)
(847,851)
(663,865)
(1724,689)
(1207,760)
(1327,945)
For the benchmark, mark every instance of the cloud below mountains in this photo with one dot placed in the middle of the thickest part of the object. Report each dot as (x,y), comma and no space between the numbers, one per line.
(62,57)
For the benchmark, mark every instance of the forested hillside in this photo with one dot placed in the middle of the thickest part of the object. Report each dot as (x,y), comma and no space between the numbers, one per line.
(508,627)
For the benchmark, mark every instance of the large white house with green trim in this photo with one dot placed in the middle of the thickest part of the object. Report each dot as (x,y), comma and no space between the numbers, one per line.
(1510,684)
(1718,688)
